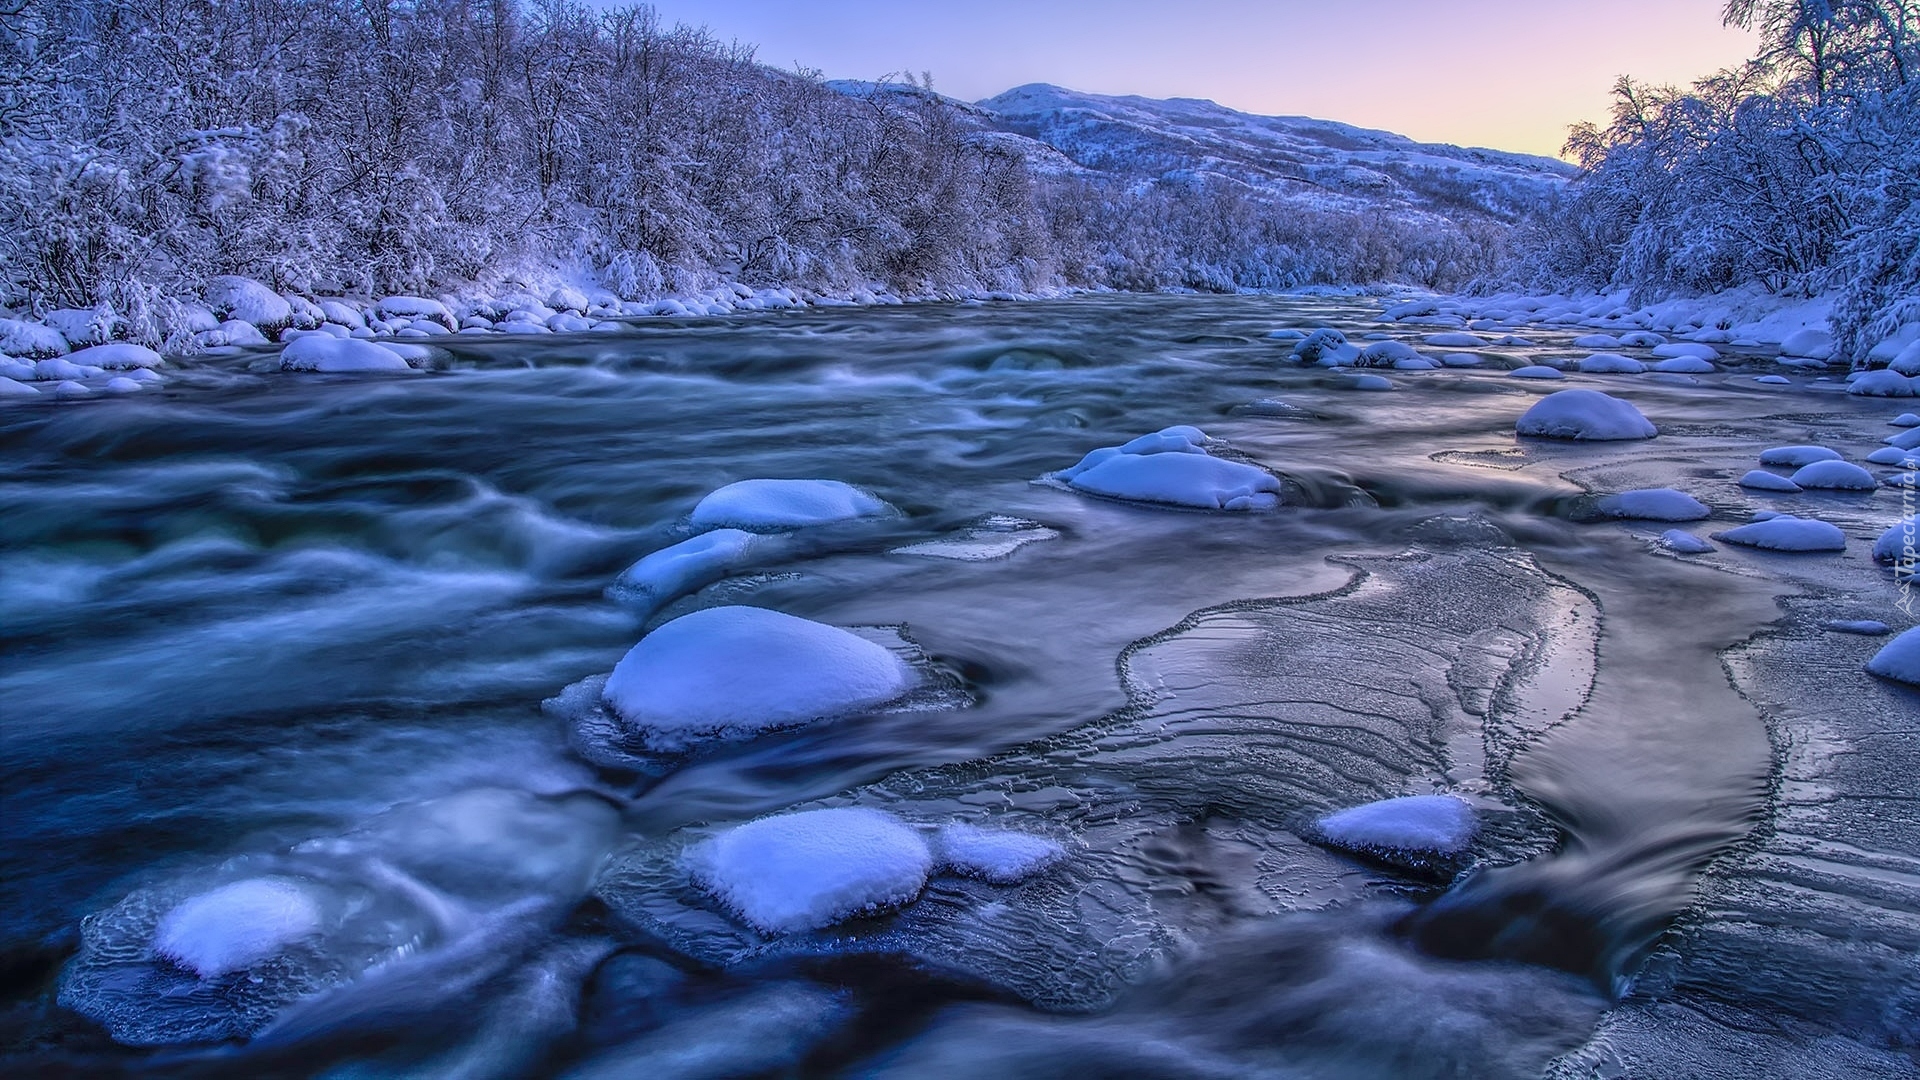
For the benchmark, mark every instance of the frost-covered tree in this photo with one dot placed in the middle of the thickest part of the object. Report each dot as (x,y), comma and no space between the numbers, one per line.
(1797,172)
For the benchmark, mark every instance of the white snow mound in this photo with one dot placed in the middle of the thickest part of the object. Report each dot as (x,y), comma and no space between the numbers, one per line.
(1655,504)
(1834,476)
(1882,384)
(1787,533)
(1900,543)
(686,566)
(996,855)
(1584,414)
(1762,480)
(1537,371)
(248,301)
(118,356)
(1796,456)
(325,353)
(1606,363)
(236,926)
(1899,659)
(807,870)
(1434,824)
(765,505)
(733,672)
(1181,479)
(1682,542)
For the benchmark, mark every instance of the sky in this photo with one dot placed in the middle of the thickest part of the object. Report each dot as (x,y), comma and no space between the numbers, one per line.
(1509,74)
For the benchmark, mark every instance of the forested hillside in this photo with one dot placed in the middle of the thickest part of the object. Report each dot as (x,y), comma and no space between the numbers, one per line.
(375,146)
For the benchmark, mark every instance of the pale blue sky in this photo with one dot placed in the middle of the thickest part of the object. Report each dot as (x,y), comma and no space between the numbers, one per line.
(1511,74)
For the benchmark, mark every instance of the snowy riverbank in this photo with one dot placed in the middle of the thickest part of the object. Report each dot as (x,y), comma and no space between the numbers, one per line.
(73,354)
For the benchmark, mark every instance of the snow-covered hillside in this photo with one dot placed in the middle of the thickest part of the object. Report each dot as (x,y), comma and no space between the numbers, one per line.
(1335,165)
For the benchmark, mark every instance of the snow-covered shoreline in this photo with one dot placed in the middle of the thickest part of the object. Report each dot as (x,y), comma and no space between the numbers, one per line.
(72,354)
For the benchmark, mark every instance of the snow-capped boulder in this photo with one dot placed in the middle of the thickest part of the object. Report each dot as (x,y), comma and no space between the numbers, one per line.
(341,313)
(1905,440)
(1642,339)
(999,856)
(1899,659)
(1795,456)
(31,340)
(118,356)
(803,871)
(1411,309)
(565,299)
(1325,343)
(415,308)
(248,301)
(1606,363)
(1682,542)
(1906,419)
(1893,455)
(769,505)
(14,390)
(1171,467)
(1654,504)
(1834,476)
(1810,342)
(1415,831)
(1695,349)
(56,368)
(734,672)
(1893,480)
(1596,341)
(1907,360)
(1537,371)
(686,566)
(1787,533)
(120,384)
(1762,480)
(1900,543)
(1587,415)
(1881,384)
(84,326)
(237,925)
(1684,365)
(1773,380)
(241,332)
(71,391)
(1386,354)
(326,353)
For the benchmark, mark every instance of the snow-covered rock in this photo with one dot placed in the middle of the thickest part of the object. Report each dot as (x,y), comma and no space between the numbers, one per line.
(1324,343)
(1537,371)
(241,332)
(1907,360)
(803,871)
(1655,504)
(120,384)
(71,391)
(686,566)
(734,672)
(1881,384)
(1808,341)
(13,390)
(1899,659)
(55,368)
(1177,473)
(1834,476)
(1585,415)
(1787,533)
(1906,419)
(325,353)
(1596,341)
(237,925)
(118,356)
(1694,349)
(84,326)
(1641,339)
(1905,440)
(1762,480)
(1795,456)
(342,314)
(1684,365)
(1893,455)
(1410,830)
(769,505)
(1682,542)
(1773,380)
(31,340)
(248,301)
(1000,856)
(1893,480)
(413,308)
(1606,363)
(1386,354)
(1900,543)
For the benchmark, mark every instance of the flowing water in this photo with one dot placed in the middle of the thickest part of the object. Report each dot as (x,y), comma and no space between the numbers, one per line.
(258,623)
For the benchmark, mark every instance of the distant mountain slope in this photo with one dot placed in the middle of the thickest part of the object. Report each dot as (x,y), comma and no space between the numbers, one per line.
(1335,165)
